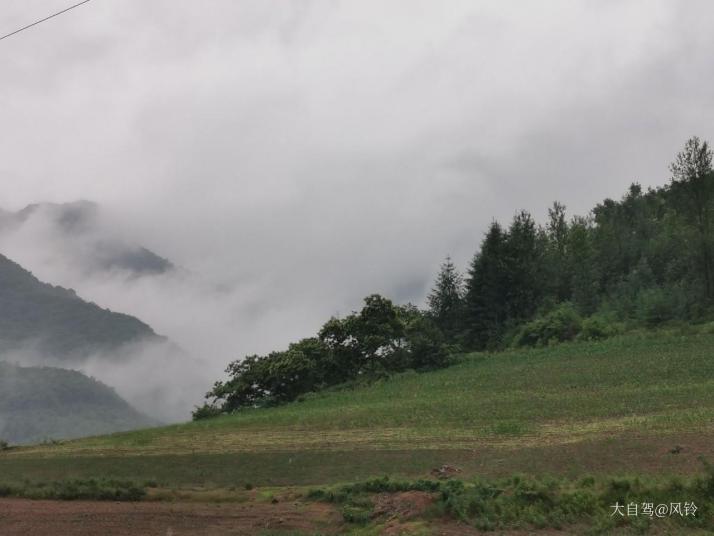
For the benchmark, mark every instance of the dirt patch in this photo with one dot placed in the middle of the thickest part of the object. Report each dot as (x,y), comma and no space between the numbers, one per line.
(19,517)
(445,471)
(404,506)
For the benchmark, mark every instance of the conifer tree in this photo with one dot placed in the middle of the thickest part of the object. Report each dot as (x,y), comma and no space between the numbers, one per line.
(446,298)
(585,288)
(556,234)
(693,181)
(486,292)
(523,267)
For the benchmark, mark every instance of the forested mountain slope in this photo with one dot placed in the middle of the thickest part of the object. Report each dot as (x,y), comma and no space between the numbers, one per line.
(55,321)
(40,403)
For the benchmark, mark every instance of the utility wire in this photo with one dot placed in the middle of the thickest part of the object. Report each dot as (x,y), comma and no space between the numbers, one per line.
(43,20)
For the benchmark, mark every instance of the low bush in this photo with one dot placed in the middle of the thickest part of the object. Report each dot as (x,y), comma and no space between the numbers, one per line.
(206,411)
(527,503)
(656,306)
(561,324)
(71,490)
(597,327)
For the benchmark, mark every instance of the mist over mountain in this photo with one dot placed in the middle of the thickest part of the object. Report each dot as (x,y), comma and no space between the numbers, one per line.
(41,403)
(54,321)
(46,325)
(214,315)
(80,236)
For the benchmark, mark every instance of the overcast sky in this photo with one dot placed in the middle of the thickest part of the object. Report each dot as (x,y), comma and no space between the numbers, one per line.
(307,153)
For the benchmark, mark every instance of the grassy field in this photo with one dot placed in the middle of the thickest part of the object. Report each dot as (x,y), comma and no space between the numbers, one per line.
(587,424)
(638,403)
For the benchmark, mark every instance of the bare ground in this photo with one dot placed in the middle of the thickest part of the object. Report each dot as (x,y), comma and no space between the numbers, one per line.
(20,517)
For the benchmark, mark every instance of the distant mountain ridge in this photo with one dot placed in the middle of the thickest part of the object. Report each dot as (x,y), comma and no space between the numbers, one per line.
(78,225)
(54,321)
(41,403)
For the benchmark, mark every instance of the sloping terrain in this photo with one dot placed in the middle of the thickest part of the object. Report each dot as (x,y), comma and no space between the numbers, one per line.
(42,403)
(641,402)
(624,419)
(54,321)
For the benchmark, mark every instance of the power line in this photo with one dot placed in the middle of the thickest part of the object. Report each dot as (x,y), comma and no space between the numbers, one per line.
(43,20)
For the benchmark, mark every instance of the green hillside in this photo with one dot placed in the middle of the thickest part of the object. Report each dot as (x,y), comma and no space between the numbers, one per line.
(603,407)
(38,404)
(55,321)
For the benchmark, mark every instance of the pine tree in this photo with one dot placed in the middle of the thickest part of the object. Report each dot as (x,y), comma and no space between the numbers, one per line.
(485,310)
(557,278)
(693,181)
(446,298)
(582,263)
(523,267)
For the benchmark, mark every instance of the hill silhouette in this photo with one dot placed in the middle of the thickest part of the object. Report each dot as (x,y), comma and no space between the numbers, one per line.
(54,321)
(42,403)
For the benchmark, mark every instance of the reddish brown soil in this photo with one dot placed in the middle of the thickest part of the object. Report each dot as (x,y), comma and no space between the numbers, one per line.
(402,506)
(19,517)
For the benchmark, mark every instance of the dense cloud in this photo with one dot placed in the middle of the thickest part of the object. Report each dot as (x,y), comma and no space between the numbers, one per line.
(292,157)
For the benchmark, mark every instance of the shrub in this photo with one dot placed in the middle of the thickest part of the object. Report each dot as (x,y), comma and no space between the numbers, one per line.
(356,514)
(4,445)
(596,328)
(655,306)
(93,490)
(561,324)
(205,412)
(71,490)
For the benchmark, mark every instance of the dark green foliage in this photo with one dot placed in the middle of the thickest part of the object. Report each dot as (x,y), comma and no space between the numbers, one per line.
(446,299)
(693,190)
(596,328)
(657,305)
(556,252)
(646,259)
(378,340)
(519,502)
(505,283)
(580,261)
(56,321)
(386,485)
(271,379)
(206,411)
(370,342)
(39,403)
(523,267)
(73,490)
(428,346)
(485,311)
(561,324)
